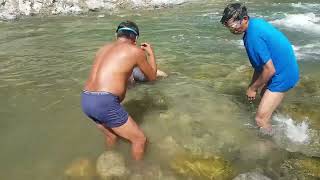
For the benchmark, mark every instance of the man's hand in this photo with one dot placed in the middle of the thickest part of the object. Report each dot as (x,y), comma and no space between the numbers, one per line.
(147,47)
(251,94)
(147,63)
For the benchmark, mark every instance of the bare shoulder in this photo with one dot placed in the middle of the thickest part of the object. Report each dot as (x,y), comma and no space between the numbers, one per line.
(103,48)
(138,53)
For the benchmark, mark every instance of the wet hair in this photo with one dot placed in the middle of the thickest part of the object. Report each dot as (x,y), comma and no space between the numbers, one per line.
(128,29)
(236,11)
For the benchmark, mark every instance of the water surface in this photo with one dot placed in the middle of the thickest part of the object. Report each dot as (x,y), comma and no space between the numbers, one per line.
(201,105)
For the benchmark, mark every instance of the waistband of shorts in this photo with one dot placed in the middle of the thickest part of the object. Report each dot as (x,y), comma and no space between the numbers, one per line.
(97,92)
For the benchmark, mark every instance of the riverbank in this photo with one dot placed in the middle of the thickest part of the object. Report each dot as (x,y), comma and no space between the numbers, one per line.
(14,9)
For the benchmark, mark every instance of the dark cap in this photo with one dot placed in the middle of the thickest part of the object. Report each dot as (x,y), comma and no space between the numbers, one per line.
(235,10)
(128,26)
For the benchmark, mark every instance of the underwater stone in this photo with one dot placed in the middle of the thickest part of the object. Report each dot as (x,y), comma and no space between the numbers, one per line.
(303,111)
(251,176)
(80,168)
(111,165)
(309,85)
(170,146)
(148,172)
(235,82)
(211,71)
(258,150)
(151,172)
(307,168)
(213,167)
(241,72)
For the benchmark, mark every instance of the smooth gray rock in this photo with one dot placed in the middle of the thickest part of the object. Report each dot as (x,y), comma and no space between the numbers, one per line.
(251,176)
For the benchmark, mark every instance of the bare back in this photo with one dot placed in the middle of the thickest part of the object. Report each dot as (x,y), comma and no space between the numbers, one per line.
(112,67)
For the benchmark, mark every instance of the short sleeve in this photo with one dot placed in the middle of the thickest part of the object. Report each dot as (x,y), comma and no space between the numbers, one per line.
(262,51)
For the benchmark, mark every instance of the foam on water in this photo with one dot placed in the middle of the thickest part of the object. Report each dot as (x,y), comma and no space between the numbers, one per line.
(238,43)
(7,16)
(295,132)
(210,14)
(307,6)
(307,51)
(308,22)
(139,3)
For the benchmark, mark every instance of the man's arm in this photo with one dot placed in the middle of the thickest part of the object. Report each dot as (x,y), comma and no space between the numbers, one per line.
(148,68)
(255,76)
(267,72)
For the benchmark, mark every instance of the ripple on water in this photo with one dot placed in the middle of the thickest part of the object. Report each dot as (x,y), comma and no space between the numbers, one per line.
(308,22)
(24,83)
(200,106)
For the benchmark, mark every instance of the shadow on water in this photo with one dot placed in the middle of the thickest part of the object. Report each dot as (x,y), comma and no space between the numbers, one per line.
(137,108)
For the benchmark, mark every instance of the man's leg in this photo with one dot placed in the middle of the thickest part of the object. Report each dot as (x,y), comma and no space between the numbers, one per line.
(110,137)
(263,90)
(131,131)
(269,102)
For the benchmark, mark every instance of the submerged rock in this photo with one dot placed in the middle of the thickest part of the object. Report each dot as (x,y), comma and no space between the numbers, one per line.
(211,71)
(150,172)
(309,85)
(169,146)
(259,150)
(308,168)
(306,102)
(301,111)
(81,168)
(310,148)
(251,176)
(202,167)
(235,82)
(111,165)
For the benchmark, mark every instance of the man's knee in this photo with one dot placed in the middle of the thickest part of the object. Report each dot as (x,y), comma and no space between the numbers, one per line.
(261,119)
(102,128)
(140,139)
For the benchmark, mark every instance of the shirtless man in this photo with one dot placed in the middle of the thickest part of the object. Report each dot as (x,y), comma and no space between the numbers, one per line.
(106,86)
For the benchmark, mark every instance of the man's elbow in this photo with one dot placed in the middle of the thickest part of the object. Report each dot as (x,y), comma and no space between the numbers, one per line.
(273,71)
(153,77)
(269,70)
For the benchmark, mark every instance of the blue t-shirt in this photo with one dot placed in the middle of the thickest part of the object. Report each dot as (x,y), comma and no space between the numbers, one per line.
(264,42)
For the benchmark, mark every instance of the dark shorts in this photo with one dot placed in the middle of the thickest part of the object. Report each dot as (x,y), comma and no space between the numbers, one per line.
(103,108)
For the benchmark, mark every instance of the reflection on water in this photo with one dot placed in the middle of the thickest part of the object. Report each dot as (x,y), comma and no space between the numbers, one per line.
(199,111)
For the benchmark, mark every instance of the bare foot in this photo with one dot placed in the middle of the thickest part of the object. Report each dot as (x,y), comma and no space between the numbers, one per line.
(161,74)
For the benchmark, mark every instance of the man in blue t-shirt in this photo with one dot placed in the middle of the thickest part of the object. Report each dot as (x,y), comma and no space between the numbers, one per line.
(270,54)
